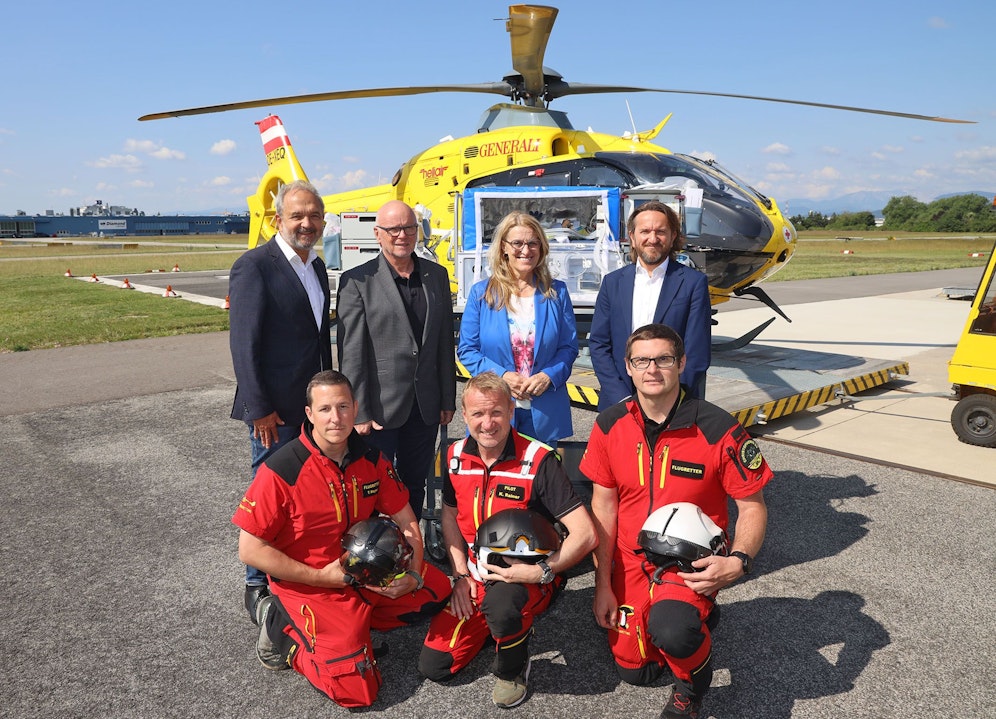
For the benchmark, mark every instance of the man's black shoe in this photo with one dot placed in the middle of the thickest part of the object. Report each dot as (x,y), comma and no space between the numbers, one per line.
(255,592)
(681,706)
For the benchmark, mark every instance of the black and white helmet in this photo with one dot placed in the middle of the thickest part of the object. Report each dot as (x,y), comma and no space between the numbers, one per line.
(375,551)
(676,535)
(520,533)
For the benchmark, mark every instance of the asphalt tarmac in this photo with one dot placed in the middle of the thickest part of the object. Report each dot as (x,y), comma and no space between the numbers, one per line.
(872,596)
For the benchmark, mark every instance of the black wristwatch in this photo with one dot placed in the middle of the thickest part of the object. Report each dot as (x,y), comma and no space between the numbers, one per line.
(548,574)
(744,559)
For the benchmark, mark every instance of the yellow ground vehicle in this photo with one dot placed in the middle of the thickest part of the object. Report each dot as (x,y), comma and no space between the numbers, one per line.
(972,369)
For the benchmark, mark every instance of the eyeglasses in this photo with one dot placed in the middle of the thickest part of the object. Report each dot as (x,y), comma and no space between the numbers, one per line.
(408,230)
(662,362)
(519,244)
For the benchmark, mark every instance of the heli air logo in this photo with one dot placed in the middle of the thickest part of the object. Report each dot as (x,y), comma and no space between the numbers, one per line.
(750,455)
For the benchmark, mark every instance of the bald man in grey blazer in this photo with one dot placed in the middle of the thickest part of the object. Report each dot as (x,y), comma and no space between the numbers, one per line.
(396,346)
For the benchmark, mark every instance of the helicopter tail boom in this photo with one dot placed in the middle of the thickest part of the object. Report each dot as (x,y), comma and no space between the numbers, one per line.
(283,168)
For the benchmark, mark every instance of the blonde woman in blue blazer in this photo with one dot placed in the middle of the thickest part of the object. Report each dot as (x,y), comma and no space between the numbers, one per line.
(519,324)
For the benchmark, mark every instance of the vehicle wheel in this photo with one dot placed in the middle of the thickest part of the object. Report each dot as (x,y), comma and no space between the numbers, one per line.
(974,420)
(434,546)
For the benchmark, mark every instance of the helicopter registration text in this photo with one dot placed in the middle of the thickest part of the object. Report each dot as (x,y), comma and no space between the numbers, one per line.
(275,155)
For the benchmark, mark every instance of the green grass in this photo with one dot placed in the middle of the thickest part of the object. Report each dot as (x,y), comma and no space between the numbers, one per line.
(43,309)
(820,255)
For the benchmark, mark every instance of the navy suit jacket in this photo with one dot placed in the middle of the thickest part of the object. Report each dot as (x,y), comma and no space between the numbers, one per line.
(276,346)
(379,353)
(485,345)
(683,306)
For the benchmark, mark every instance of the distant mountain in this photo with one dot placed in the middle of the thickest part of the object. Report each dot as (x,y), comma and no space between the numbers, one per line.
(857,202)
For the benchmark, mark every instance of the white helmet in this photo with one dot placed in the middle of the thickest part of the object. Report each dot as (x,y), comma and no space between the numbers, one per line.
(676,535)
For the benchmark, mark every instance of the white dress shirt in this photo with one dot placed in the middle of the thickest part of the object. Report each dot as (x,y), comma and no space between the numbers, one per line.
(306,273)
(646,292)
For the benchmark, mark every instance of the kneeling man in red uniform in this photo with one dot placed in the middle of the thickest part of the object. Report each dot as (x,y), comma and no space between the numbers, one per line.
(293,517)
(658,447)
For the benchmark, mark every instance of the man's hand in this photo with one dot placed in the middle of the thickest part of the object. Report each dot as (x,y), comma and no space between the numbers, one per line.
(265,429)
(446,416)
(405,584)
(367,427)
(717,572)
(606,608)
(463,600)
(332,576)
(518,573)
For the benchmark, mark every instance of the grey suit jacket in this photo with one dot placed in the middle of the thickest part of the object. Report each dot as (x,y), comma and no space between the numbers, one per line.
(379,353)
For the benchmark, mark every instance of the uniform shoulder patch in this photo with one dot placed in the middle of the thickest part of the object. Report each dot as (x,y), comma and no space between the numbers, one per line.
(750,455)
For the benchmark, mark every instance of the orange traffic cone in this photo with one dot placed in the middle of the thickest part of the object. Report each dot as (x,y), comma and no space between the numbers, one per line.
(69,272)
(169,292)
(176,267)
(126,285)
(94,278)
(227,305)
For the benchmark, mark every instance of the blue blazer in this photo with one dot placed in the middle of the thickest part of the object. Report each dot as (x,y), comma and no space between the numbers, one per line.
(683,306)
(276,346)
(486,345)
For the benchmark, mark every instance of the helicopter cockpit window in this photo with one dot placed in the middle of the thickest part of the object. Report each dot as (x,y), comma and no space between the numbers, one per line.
(601,176)
(547,179)
(985,322)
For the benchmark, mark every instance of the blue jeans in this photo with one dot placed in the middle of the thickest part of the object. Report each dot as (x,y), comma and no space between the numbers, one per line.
(411,449)
(285,433)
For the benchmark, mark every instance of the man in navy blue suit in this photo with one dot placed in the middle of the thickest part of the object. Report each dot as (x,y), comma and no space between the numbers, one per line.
(280,333)
(656,288)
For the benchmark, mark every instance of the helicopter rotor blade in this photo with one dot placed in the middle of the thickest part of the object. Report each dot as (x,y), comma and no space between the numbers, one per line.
(563,89)
(529,28)
(494,88)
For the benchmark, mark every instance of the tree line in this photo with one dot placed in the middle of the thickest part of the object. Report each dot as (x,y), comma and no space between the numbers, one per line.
(960,213)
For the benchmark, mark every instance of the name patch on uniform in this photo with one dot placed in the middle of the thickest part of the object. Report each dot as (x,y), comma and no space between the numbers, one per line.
(371,488)
(750,455)
(692,470)
(510,491)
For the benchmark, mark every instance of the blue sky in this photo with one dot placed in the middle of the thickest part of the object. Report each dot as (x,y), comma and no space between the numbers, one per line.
(78,77)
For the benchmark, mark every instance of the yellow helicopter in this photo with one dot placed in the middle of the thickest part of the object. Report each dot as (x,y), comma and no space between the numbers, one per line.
(743,236)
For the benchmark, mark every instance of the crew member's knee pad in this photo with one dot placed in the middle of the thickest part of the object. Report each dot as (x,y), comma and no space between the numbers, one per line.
(640,676)
(435,665)
(502,608)
(675,628)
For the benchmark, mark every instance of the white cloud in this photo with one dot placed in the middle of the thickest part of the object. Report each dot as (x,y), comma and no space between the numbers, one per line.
(142,184)
(878,155)
(153,149)
(828,150)
(985,153)
(221,181)
(164,153)
(777,148)
(104,186)
(703,154)
(777,167)
(5,131)
(145,146)
(894,149)
(827,173)
(938,23)
(64,192)
(130,163)
(349,181)
(223,147)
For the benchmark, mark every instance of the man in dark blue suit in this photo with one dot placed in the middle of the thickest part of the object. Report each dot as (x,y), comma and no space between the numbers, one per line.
(280,333)
(656,288)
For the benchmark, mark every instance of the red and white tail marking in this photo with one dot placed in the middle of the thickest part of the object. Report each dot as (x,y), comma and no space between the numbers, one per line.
(273,134)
